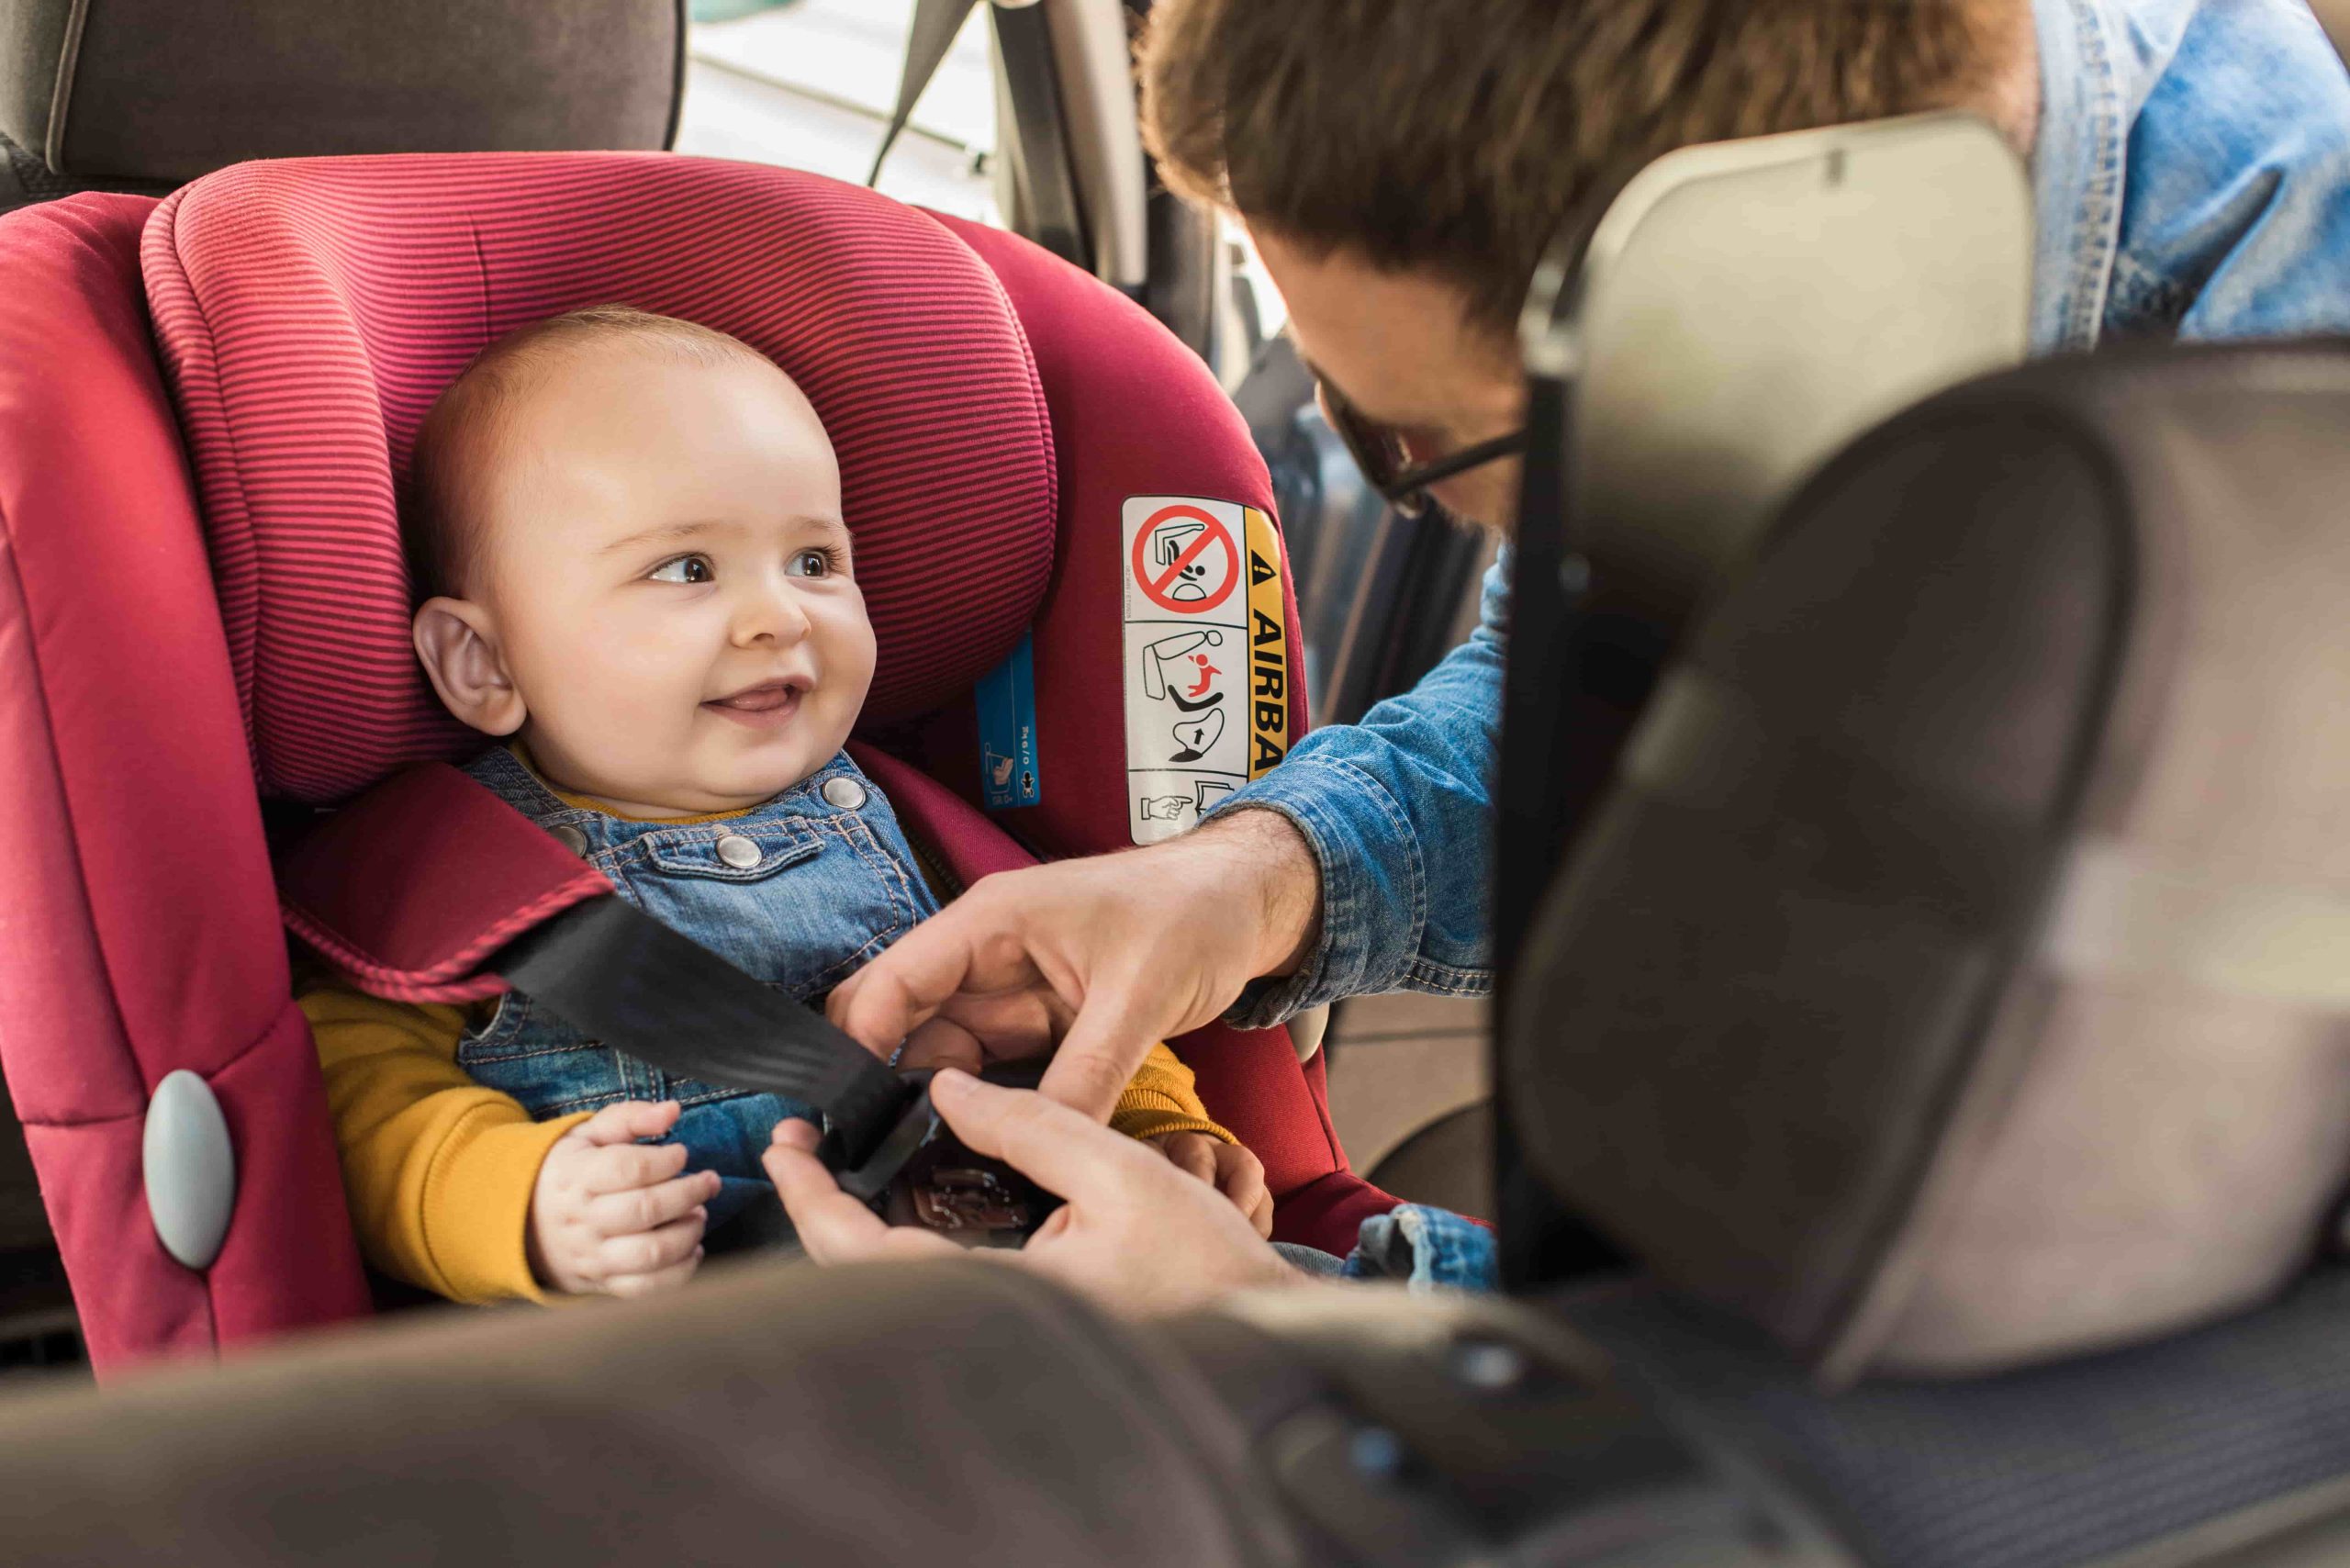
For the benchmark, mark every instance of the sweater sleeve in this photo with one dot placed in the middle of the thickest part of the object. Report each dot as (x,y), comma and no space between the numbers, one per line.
(439,1170)
(1161,1100)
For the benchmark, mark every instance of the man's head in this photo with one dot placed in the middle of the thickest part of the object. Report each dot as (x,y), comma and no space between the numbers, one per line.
(629,529)
(1402,169)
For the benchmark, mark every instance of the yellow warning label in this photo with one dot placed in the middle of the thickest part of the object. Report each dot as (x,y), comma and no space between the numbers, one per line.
(1268,647)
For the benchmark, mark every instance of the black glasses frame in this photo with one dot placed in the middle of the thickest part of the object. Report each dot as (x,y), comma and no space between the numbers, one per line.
(1379,452)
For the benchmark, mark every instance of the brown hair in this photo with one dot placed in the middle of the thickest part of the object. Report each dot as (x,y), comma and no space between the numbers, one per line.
(441,550)
(1460,136)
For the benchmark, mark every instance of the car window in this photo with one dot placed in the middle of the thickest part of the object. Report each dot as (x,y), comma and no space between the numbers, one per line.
(811,84)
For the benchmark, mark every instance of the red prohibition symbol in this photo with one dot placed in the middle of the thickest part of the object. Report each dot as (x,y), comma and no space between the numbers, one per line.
(1164,572)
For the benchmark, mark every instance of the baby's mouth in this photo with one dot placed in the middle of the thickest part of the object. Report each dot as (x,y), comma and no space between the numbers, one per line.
(769,704)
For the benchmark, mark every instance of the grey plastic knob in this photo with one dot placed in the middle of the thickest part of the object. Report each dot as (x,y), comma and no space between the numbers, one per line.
(190,1167)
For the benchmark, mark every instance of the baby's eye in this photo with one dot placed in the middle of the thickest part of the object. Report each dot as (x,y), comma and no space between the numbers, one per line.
(684,569)
(812,563)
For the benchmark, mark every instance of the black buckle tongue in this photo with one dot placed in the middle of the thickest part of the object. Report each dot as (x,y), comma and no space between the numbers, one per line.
(868,1180)
(618,974)
(921,1174)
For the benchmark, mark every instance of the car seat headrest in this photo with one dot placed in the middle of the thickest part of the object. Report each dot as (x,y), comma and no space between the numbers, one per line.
(158,92)
(310,311)
(1954,974)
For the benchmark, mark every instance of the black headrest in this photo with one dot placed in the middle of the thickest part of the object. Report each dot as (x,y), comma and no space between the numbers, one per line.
(158,92)
(1955,972)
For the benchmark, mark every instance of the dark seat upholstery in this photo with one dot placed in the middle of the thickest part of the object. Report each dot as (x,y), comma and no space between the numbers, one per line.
(144,95)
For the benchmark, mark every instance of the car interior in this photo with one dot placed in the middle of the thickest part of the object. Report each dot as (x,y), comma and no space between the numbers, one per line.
(1898,683)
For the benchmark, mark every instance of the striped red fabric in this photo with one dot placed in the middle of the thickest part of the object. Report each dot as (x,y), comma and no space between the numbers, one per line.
(310,311)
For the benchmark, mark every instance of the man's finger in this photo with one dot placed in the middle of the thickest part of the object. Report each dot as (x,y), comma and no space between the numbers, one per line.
(1112,1032)
(1061,1149)
(649,1208)
(631,1165)
(833,1226)
(973,945)
(1007,1025)
(628,1121)
(1261,1215)
(941,1042)
(887,1000)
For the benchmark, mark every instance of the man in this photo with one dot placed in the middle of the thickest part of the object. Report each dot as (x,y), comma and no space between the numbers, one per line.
(1401,171)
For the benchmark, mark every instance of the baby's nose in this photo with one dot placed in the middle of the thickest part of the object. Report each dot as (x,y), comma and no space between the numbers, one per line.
(775,614)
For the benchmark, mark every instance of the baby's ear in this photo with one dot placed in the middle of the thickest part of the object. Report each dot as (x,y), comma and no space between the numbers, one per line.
(457,641)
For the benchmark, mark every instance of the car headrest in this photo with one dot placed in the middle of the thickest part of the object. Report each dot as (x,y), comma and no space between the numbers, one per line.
(310,311)
(1955,972)
(157,92)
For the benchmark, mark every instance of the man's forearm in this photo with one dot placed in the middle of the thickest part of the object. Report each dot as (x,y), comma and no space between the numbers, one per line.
(1270,856)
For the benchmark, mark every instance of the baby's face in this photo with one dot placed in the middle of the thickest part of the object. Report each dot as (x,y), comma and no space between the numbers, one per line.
(667,574)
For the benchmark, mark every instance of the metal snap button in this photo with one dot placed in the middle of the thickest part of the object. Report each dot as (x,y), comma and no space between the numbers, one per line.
(571,838)
(845,792)
(738,852)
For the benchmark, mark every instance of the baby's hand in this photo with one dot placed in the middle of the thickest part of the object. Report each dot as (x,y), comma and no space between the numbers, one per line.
(1228,1167)
(611,1214)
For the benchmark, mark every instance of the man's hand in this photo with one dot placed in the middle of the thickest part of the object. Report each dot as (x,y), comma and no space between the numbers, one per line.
(1228,1167)
(1118,951)
(1135,1233)
(611,1214)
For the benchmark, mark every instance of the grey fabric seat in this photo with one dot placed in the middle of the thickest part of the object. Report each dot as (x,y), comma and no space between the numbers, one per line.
(2238,1433)
(146,95)
(1448,1163)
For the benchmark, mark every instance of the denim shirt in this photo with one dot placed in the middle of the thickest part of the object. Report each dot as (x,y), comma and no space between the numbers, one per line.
(799,893)
(2192,179)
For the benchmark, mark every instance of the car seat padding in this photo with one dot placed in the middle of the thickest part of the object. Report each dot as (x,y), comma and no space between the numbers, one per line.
(154,668)
(409,887)
(320,305)
(141,930)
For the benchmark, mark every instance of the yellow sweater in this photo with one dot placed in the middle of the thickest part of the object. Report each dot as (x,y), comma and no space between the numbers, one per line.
(439,1170)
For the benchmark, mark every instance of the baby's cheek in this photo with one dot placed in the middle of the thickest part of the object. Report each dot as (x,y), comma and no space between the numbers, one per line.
(866,657)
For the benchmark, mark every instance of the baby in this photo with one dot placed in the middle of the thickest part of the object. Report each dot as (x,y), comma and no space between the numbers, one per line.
(627,530)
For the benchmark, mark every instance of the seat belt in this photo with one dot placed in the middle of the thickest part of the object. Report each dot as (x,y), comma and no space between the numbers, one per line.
(1024,45)
(614,972)
(928,37)
(500,900)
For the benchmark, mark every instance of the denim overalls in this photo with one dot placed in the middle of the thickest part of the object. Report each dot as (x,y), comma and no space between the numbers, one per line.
(801,892)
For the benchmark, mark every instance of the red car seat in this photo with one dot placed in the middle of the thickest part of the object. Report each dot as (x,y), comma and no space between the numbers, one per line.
(202,608)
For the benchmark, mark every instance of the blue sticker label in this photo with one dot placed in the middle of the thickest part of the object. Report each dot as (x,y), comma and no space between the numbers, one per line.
(1007,696)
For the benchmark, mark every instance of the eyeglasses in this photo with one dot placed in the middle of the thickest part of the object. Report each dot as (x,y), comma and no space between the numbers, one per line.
(1380,452)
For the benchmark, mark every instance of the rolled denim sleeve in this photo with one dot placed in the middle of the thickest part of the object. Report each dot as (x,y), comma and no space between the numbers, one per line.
(2234,219)
(1398,811)
(1427,1249)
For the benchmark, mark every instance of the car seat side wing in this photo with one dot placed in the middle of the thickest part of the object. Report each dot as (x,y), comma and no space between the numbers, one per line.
(407,889)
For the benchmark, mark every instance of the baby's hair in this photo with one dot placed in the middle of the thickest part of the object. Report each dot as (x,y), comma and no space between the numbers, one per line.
(440,546)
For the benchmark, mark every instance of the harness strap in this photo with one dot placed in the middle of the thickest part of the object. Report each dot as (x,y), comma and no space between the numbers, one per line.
(611,970)
(431,888)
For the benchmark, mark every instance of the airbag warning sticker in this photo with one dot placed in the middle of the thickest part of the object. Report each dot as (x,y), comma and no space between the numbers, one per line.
(1206,675)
